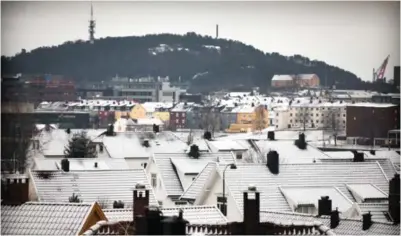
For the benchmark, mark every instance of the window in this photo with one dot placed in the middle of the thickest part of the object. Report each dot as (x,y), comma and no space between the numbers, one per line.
(177,121)
(317,121)
(296,121)
(290,121)
(160,203)
(154,180)
(290,114)
(343,121)
(182,114)
(343,115)
(306,209)
(238,155)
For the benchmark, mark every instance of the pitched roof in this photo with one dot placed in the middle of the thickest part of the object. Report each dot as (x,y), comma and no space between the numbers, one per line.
(167,170)
(377,210)
(345,227)
(104,186)
(193,214)
(198,184)
(81,164)
(288,150)
(39,218)
(315,174)
(385,164)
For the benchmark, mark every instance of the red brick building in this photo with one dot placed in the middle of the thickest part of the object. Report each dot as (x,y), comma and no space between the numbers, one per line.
(371,120)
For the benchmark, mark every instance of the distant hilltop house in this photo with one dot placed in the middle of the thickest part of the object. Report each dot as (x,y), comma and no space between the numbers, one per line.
(301,80)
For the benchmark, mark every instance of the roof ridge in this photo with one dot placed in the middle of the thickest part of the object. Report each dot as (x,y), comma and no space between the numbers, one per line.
(82,171)
(59,203)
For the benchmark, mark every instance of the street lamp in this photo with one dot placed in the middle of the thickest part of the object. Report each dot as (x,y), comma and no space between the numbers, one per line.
(224,208)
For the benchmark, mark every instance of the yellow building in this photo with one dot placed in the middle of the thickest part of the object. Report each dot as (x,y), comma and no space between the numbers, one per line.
(137,112)
(162,115)
(250,118)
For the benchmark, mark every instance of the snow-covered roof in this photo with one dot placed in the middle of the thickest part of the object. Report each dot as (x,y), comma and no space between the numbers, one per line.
(94,185)
(282,78)
(193,214)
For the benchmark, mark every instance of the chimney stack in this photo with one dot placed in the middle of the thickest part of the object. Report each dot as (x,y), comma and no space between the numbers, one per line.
(141,200)
(373,152)
(15,190)
(217,31)
(358,156)
(65,165)
(301,143)
(394,199)
(273,162)
(251,211)
(334,219)
(270,135)
(325,206)
(366,221)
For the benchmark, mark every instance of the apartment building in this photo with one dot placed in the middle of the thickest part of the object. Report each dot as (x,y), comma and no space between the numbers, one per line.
(312,115)
(146,89)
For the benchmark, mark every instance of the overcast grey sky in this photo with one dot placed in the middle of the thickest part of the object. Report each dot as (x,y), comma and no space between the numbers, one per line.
(356,36)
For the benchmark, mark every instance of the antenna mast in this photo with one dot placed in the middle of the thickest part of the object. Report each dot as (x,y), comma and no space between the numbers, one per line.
(217,31)
(92,25)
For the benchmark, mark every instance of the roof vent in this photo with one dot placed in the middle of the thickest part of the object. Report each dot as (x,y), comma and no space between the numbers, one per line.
(140,186)
(252,187)
(334,219)
(95,164)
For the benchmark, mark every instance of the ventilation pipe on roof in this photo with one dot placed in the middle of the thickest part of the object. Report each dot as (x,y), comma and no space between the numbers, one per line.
(95,164)
(100,147)
(366,221)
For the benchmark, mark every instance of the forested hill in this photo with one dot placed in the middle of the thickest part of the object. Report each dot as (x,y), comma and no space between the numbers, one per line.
(207,62)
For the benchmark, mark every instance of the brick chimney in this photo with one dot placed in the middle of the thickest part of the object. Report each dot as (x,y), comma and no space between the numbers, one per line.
(251,211)
(334,219)
(141,200)
(273,162)
(366,221)
(358,156)
(65,165)
(15,190)
(175,225)
(325,206)
(394,199)
(270,135)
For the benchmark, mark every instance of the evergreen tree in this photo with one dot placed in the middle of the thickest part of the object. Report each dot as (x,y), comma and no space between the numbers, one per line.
(80,146)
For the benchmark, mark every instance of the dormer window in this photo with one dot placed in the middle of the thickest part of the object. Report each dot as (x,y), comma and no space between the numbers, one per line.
(306,209)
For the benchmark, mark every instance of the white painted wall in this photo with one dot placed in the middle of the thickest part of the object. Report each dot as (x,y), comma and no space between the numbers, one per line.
(159,190)
(214,189)
(136,163)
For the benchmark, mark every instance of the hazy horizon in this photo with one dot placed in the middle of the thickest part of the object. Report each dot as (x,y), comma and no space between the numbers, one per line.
(355,36)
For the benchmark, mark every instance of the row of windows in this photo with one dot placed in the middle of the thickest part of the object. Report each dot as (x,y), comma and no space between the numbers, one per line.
(311,114)
(316,108)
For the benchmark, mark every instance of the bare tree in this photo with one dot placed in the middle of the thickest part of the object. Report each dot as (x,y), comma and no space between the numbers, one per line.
(332,122)
(211,121)
(259,122)
(304,118)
